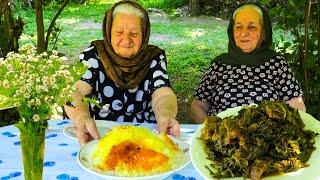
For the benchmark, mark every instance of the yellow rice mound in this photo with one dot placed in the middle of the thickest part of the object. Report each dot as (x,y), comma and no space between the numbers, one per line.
(135,151)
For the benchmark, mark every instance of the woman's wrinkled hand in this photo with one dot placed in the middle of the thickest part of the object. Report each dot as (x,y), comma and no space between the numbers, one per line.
(86,129)
(169,126)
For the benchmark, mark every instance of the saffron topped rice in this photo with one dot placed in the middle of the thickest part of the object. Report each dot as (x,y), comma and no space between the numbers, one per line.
(135,151)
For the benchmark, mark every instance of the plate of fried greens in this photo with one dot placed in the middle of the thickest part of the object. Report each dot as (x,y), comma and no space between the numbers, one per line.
(270,141)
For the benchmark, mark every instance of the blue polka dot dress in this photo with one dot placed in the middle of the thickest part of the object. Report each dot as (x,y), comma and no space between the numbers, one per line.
(225,86)
(130,105)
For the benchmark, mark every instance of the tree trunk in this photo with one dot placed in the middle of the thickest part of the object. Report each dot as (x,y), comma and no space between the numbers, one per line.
(318,29)
(40,26)
(10,28)
(11,4)
(8,18)
(305,51)
(0,8)
(194,7)
(7,26)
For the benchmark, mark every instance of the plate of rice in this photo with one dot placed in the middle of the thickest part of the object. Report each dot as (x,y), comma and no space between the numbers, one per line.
(131,152)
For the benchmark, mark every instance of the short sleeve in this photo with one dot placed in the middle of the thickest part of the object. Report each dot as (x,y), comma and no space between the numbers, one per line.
(286,83)
(157,74)
(89,56)
(204,91)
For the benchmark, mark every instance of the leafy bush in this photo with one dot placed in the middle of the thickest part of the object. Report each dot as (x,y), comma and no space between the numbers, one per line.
(220,8)
(166,5)
(302,52)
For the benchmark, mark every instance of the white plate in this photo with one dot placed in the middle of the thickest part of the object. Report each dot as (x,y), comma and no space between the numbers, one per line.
(103,126)
(85,162)
(186,134)
(199,156)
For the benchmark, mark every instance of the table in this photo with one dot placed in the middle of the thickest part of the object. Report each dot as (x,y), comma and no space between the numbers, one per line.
(61,152)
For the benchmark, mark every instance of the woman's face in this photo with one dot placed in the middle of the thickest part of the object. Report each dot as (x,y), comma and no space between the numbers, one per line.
(247,29)
(126,35)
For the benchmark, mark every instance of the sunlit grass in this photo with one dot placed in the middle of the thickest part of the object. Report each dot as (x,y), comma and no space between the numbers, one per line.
(196,33)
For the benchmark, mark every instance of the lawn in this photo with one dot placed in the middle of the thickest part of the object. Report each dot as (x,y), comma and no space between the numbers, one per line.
(190,43)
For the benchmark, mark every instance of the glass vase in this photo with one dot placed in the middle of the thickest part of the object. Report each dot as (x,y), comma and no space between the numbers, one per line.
(32,146)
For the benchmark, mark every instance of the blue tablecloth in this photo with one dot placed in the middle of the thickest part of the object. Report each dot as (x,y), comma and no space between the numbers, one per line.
(61,153)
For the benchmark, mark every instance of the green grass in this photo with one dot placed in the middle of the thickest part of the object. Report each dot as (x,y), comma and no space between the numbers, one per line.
(190,43)
(166,5)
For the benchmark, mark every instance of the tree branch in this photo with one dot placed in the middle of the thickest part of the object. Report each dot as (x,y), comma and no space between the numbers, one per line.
(56,40)
(53,21)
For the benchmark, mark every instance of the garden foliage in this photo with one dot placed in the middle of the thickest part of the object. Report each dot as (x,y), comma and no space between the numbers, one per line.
(300,20)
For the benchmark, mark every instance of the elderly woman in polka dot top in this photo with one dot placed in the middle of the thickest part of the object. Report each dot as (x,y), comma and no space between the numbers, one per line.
(250,72)
(126,75)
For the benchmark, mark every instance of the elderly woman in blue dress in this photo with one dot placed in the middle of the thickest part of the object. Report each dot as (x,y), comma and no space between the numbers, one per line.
(127,76)
(250,72)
